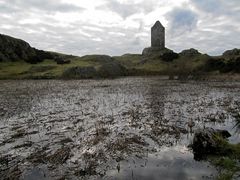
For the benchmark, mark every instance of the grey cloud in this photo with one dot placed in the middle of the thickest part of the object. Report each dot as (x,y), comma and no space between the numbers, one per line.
(6,8)
(126,10)
(182,20)
(210,6)
(50,6)
(216,31)
(71,40)
(218,7)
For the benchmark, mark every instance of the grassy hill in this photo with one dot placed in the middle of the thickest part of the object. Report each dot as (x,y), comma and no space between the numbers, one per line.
(18,60)
(49,69)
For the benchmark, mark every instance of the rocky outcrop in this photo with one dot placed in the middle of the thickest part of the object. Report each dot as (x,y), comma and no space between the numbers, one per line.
(151,50)
(164,54)
(12,49)
(232,53)
(206,142)
(189,52)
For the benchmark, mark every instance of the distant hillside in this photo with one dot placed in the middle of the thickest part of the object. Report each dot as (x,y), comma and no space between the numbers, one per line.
(12,49)
(187,63)
(18,60)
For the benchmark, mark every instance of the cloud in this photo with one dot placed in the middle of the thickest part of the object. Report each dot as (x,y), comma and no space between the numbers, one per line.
(210,6)
(130,8)
(182,20)
(50,6)
(117,27)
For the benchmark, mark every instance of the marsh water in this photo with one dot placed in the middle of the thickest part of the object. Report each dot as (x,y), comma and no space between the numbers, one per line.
(128,128)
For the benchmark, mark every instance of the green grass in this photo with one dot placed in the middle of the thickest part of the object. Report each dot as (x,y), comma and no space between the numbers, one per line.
(45,69)
(136,64)
(227,159)
(155,65)
(13,69)
(143,65)
(129,60)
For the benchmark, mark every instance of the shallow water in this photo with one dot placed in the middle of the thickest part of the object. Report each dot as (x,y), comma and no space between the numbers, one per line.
(130,128)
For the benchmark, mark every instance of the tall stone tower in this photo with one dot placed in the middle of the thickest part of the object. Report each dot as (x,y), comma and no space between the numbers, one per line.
(158,36)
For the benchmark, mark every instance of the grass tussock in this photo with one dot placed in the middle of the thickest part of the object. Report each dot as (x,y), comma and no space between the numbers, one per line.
(227,160)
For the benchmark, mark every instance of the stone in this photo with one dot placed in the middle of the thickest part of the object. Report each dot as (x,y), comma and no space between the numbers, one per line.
(205,143)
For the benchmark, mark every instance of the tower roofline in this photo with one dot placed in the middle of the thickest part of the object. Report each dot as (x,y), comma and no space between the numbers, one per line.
(158,24)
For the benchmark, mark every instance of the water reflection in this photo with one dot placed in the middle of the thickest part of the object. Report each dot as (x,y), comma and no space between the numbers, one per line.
(170,163)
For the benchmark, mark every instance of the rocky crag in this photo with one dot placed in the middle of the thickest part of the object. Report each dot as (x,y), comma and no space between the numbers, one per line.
(12,49)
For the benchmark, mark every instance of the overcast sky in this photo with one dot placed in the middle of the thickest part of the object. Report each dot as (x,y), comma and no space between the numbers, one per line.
(116,27)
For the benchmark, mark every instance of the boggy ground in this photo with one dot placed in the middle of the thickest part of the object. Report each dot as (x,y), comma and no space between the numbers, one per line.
(130,128)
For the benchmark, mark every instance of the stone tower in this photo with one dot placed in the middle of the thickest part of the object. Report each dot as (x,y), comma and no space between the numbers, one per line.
(158,36)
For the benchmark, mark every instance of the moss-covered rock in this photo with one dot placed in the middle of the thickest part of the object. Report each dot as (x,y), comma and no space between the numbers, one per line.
(111,70)
(98,58)
(79,73)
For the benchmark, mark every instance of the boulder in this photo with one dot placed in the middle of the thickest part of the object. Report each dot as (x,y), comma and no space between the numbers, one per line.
(205,142)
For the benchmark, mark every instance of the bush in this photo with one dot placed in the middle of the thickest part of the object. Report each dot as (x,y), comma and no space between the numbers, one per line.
(214,64)
(169,56)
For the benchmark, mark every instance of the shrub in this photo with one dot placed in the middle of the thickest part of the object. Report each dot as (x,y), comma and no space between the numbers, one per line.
(169,56)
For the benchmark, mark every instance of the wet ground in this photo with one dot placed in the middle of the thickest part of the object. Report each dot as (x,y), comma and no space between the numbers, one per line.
(130,128)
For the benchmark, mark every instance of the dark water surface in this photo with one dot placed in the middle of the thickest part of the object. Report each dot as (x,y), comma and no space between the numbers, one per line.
(130,128)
